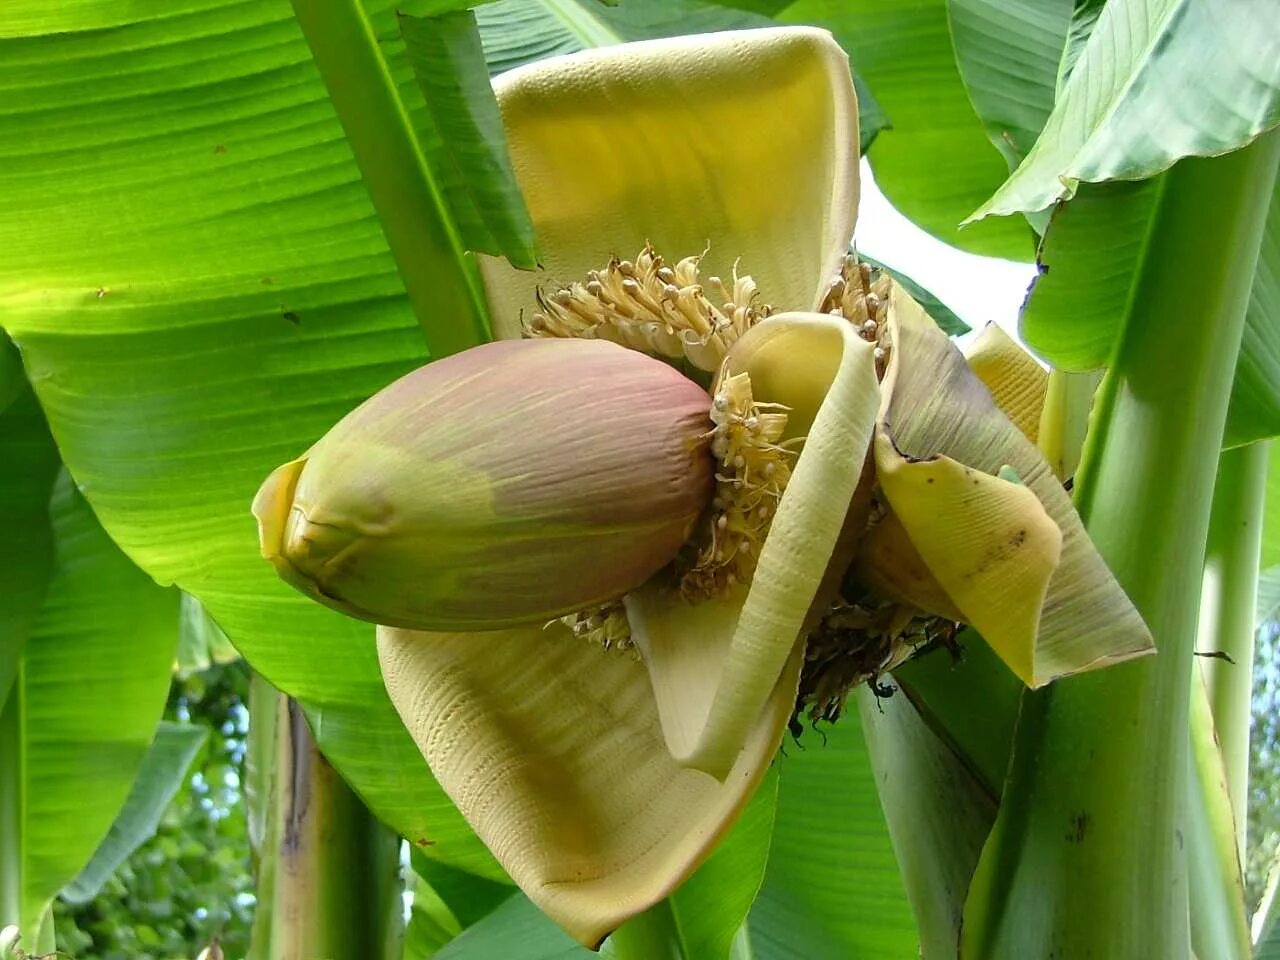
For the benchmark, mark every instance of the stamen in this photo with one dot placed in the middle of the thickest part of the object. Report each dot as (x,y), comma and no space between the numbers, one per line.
(605,625)
(648,306)
(754,466)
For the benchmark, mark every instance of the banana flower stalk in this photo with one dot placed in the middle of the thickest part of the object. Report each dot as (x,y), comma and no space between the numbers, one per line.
(613,559)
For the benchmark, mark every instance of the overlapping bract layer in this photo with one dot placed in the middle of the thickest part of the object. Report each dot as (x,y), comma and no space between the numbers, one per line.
(600,780)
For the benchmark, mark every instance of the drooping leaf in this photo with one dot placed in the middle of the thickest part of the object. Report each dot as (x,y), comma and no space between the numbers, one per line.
(474,169)
(159,778)
(191,316)
(1091,248)
(90,688)
(1157,80)
(1090,260)
(935,160)
(832,886)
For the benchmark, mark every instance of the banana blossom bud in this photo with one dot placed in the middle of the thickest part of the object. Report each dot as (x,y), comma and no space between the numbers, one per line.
(512,483)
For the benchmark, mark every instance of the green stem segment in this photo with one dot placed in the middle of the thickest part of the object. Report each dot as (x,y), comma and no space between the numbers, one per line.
(1087,857)
(1227,606)
(328,871)
(442,283)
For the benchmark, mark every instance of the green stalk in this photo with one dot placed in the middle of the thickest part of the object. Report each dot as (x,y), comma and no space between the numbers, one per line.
(11,807)
(1064,421)
(328,870)
(1087,857)
(651,935)
(1227,606)
(442,283)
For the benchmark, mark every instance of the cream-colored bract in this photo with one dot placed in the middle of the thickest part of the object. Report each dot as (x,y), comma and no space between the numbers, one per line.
(714,664)
(554,751)
(743,143)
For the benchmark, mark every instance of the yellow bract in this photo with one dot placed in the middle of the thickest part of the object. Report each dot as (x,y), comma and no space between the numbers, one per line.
(933,406)
(987,542)
(1017,383)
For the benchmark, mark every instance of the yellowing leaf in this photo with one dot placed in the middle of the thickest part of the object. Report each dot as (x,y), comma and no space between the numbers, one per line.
(987,541)
(745,141)
(553,750)
(934,406)
(715,664)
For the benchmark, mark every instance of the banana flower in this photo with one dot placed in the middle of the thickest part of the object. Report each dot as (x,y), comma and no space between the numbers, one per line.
(848,477)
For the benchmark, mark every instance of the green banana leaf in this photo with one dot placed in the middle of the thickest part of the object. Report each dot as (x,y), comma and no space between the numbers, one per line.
(77,724)
(201,642)
(1152,85)
(1090,256)
(935,163)
(479,185)
(699,921)
(990,37)
(1090,260)
(832,887)
(193,315)
(28,466)
(160,777)
(12,380)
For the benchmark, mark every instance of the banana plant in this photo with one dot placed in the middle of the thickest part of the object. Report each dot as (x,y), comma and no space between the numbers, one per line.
(714,477)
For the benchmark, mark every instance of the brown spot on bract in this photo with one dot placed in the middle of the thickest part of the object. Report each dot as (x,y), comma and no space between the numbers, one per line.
(424,842)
